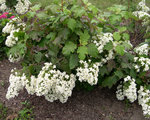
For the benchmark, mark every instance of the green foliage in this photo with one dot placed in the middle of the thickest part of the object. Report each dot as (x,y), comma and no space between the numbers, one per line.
(92,50)
(3,111)
(3,48)
(69,48)
(72,24)
(26,113)
(84,37)
(120,50)
(82,51)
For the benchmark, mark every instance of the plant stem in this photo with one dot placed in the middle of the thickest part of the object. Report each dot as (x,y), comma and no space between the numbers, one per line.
(62,5)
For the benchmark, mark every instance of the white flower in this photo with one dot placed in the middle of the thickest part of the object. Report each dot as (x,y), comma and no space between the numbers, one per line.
(12,28)
(144,100)
(127,89)
(15,80)
(142,6)
(88,72)
(11,39)
(15,57)
(102,40)
(22,6)
(8,28)
(3,7)
(141,63)
(51,83)
(2,1)
(119,92)
(143,14)
(54,84)
(142,50)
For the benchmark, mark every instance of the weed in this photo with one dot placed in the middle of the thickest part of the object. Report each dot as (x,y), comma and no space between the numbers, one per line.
(3,111)
(26,113)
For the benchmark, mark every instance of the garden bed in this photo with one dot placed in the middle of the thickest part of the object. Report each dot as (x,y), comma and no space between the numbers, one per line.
(99,104)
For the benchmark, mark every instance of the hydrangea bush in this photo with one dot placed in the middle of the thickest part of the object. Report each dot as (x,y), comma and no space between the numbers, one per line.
(74,43)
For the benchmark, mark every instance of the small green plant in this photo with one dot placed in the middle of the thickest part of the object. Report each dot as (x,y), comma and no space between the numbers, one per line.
(26,113)
(2,83)
(3,111)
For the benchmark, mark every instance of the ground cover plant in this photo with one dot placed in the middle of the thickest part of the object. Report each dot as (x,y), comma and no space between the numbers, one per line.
(74,44)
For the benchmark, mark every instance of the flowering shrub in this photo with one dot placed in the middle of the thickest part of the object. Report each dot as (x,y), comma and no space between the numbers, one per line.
(76,42)
(4,19)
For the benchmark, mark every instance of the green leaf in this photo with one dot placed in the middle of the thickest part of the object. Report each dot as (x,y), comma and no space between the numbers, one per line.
(51,36)
(36,7)
(53,50)
(130,56)
(84,37)
(73,61)
(64,65)
(71,23)
(69,48)
(53,8)
(122,29)
(78,11)
(126,45)
(82,51)
(119,74)
(38,57)
(42,15)
(133,73)
(126,36)
(110,81)
(108,46)
(92,50)
(120,50)
(111,65)
(31,14)
(116,35)
(103,70)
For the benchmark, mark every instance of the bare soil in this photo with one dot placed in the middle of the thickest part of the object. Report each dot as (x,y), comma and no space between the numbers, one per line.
(99,104)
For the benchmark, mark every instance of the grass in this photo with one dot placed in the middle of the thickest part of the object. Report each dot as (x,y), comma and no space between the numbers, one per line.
(102,4)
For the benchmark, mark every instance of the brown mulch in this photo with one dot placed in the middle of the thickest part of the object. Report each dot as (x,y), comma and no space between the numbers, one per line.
(99,104)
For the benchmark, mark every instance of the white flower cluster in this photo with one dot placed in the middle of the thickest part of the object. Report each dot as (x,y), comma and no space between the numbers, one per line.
(22,6)
(15,57)
(11,39)
(52,83)
(142,50)
(127,89)
(3,6)
(119,92)
(141,62)
(142,6)
(143,14)
(10,29)
(88,72)
(102,40)
(15,80)
(144,100)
